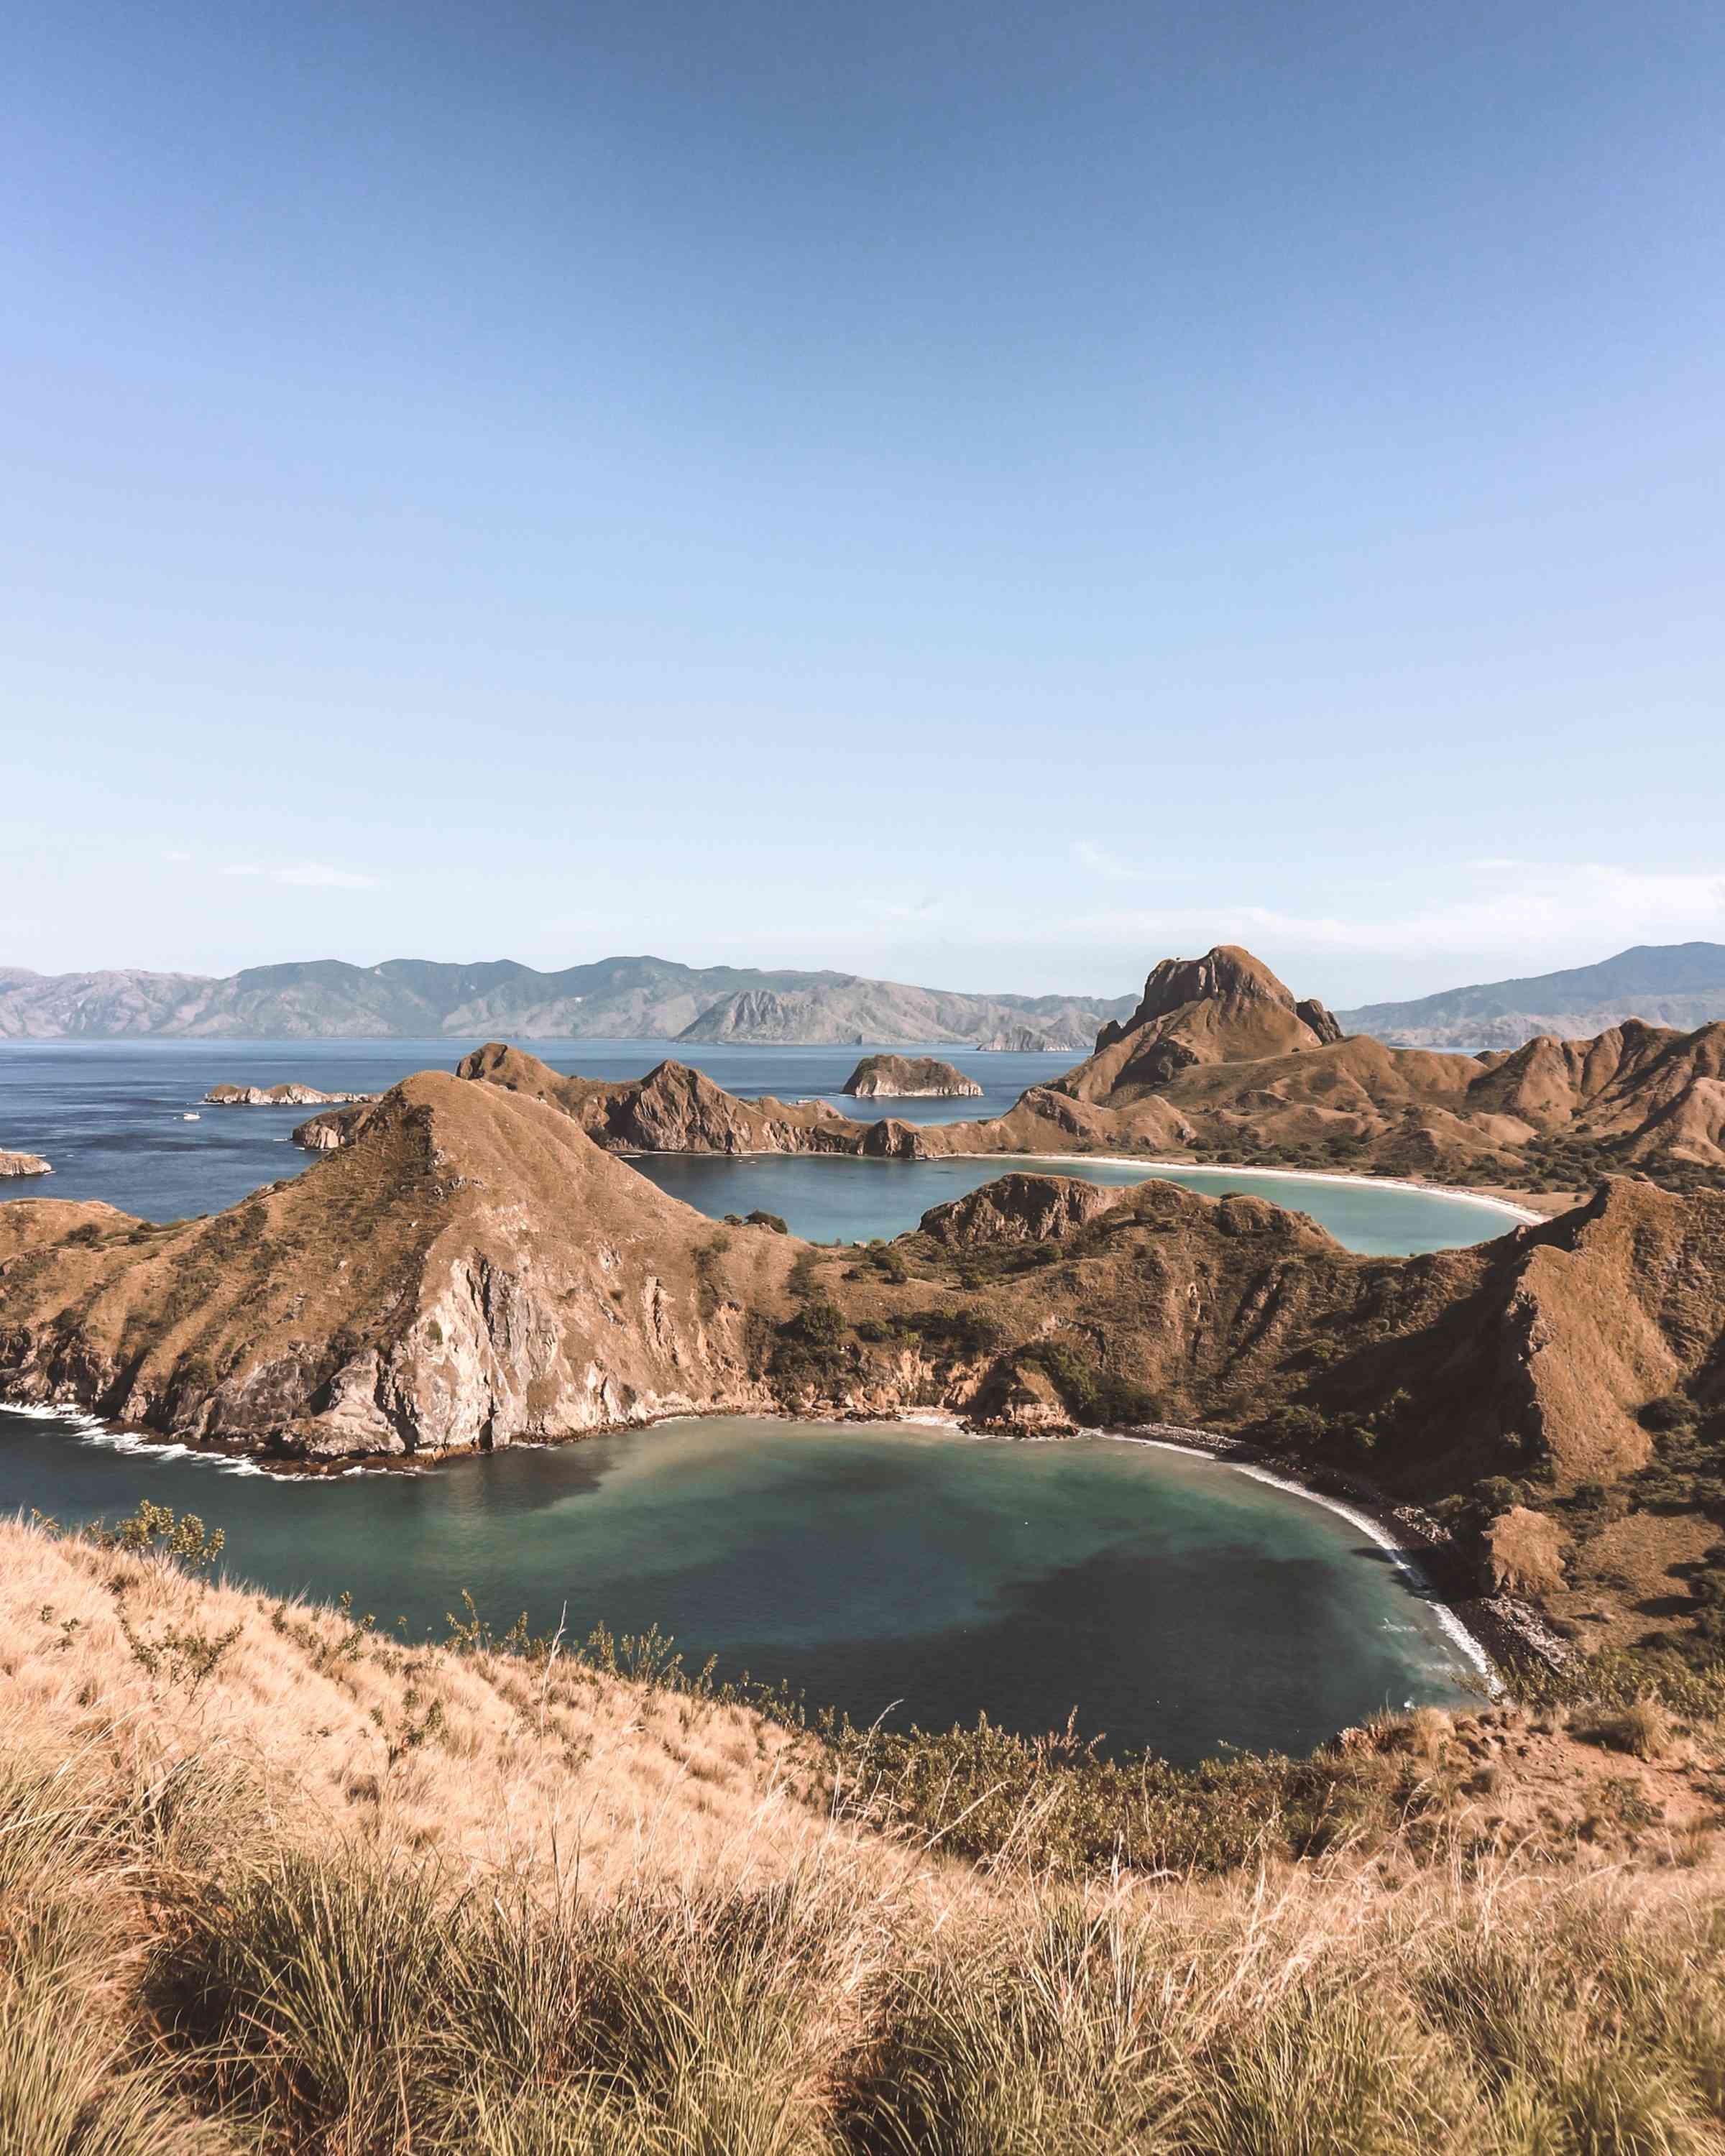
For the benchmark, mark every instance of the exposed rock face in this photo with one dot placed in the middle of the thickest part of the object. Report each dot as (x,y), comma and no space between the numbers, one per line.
(839,1008)
(1018,1208)
(909,1077)
(1227,1007)
(1027,1040)
(288,1095)
(25,1163)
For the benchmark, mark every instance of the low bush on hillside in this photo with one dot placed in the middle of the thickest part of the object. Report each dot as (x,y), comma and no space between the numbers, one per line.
(1091,1392)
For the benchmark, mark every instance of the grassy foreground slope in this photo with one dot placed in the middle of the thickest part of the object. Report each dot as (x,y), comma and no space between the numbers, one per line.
(268,1882)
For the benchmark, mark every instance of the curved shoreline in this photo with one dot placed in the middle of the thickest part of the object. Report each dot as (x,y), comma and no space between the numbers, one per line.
(1372,1517)
(1150,1170)
(1458,1193)
(1497,1630)
(1488,1637)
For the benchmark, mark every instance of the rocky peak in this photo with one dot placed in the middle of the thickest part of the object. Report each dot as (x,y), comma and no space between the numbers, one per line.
(1225,975)
(1020,1208)
(1226,1006)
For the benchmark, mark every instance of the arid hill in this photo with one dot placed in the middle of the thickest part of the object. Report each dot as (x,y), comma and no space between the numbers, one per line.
(469,1267)
(909,1077)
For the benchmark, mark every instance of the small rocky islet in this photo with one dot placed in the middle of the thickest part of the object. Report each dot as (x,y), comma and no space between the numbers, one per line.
(289,1094)
(909,1078)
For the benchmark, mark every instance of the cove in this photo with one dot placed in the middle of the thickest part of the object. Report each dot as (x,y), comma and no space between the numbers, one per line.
(834,1199)
(900,1571)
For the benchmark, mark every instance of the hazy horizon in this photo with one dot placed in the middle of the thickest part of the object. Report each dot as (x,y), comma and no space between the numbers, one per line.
(985,500)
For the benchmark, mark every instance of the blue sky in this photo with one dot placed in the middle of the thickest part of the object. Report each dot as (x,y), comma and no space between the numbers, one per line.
(984,495)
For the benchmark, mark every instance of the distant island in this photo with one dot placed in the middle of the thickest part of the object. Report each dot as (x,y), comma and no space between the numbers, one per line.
(25,1163)
(291,1095)
(909,1078)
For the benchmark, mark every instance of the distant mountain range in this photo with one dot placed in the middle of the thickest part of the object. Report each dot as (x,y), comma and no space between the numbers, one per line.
(1681,985)
(630,999)
(1673,984)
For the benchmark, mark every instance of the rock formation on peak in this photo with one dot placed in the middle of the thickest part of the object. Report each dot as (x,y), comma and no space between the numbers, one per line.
(1220,1057)
(909,1077)
(1021,1208)
(25,1163)
(1226,1007)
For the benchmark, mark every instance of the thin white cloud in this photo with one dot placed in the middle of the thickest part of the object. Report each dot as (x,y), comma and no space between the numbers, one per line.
(1526,911)
(319,875)
(306,875)
(176,855)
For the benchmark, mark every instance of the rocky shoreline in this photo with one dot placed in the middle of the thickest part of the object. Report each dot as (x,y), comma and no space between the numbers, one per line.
(1505,1629)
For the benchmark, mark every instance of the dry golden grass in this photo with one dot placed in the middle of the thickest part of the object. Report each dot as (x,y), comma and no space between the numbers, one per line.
(475,1757)
(269,1883)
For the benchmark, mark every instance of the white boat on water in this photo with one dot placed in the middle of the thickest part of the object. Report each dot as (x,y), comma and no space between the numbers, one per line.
(193,1118)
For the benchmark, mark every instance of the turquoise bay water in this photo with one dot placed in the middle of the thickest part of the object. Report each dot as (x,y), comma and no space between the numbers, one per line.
(852,1201)
(904,1571)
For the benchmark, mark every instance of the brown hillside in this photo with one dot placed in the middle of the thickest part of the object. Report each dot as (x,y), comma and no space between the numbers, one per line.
(469,1265)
